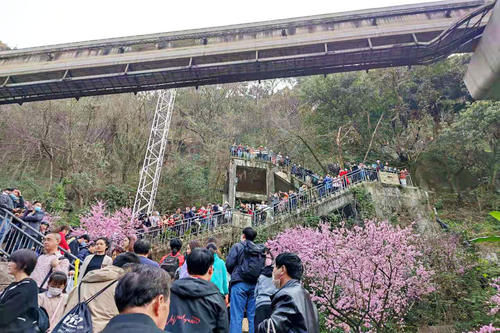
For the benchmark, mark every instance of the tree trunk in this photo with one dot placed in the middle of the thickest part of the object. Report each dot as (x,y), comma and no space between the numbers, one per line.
(338,141)
(312,152)
(373,136)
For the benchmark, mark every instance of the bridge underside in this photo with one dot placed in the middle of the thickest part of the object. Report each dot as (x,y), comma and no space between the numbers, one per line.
(401,36)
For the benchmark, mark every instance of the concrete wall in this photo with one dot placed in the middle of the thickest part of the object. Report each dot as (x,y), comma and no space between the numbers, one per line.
(407,204)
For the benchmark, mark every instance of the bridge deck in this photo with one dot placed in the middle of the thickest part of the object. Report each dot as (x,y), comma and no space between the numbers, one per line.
(396,36)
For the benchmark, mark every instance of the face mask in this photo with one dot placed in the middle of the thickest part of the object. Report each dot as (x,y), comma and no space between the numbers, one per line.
(84,244)
(38,209)
(276,283)
(13,196)
(55,291)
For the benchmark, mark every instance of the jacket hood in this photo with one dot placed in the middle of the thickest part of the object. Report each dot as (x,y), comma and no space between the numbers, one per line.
(193,288)
(252,247)
(268,271)
(108,273)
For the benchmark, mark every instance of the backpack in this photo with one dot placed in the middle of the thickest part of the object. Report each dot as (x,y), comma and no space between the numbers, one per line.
(79,318)
(170,264)
(253,262)
(43,322)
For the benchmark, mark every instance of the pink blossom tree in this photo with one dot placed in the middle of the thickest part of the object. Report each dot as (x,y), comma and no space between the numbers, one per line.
(360,278)
(101,223)
(495,299)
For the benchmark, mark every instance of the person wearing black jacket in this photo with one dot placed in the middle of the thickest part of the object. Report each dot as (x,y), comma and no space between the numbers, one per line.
(196,304)
(19,301)
(77,244)
(142,297)
(292,308)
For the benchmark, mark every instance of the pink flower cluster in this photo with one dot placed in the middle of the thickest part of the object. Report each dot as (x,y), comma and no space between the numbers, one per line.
(101,223)
(51,219)
(362,277)
(495,299)
(487,329)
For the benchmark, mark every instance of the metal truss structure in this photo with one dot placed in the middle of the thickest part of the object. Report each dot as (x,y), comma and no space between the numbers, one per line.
(153,161)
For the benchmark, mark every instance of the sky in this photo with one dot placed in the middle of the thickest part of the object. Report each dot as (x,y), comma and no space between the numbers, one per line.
(27,23)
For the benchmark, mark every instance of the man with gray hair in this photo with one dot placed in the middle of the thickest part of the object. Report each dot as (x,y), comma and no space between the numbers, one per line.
(142,297)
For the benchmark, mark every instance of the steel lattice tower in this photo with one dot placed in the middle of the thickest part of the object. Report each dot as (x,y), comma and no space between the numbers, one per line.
(153,161)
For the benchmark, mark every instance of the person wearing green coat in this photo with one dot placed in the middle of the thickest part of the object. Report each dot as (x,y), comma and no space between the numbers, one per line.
(219,277)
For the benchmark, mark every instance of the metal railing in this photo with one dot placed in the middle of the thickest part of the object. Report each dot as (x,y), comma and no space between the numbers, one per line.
(306,198)
(16,234)
(188,227)
(294,204)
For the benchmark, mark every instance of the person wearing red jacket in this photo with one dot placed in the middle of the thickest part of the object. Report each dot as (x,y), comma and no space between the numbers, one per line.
(63,231)
(175,247)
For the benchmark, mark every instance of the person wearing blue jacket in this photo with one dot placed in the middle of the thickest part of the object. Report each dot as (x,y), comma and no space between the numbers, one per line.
(33,218)
(219,277)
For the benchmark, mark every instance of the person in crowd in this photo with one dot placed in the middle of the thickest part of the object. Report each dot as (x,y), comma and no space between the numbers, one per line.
(78,243)
(154,219)
(292,308)
(51,261)
(219,276)
(402,176)
(18,200)
(97,260)
(128,243)
(177,259)
(44,228)
(117,250)
(33,218)
(242,292)
(143,301)
(63,231)
(196,303)
(86,251)
(183,272)
(6,201)
(54,299)
(264,290)
(19,301)
(103,308)
(142,248)
(188,214)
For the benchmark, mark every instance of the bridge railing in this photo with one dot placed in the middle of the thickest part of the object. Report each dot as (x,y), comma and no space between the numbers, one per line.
(189,227)
(295,203)
(16,234)
(306,198)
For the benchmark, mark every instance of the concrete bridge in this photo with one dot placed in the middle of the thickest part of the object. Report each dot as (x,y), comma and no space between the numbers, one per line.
(358,40)
(408,204)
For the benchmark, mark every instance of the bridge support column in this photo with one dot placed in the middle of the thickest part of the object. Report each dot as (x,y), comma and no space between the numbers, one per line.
(270,188)
(233,181)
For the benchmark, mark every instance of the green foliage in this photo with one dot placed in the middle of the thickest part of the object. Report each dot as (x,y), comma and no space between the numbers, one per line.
(116,196)
(496,215)
(486,239)
(364,202)
(462,288)
(186,184)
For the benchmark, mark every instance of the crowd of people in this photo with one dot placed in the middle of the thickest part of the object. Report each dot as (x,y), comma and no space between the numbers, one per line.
(124,289)
(314,186)
(191,218)
(192,292)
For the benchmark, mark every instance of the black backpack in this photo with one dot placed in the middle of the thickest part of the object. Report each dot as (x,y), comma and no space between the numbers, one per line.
(253,262)
(79,319)
(170,264)
(43,322)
